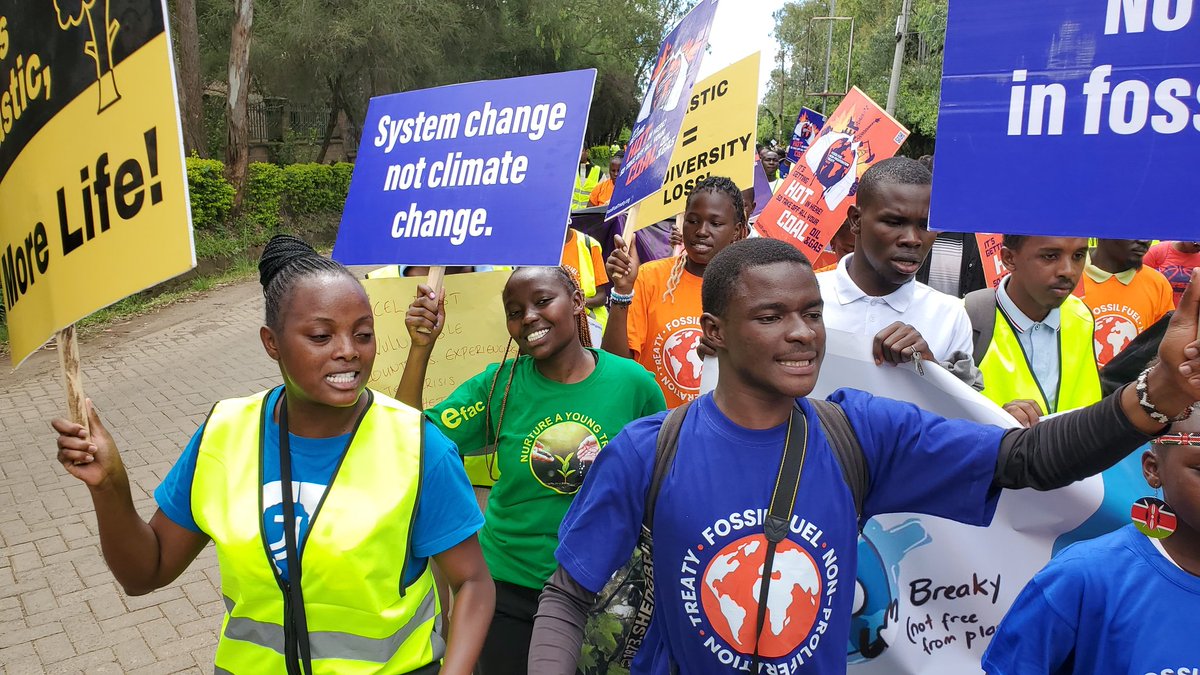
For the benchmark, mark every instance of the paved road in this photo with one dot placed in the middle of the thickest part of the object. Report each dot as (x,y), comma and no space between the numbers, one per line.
(153,380)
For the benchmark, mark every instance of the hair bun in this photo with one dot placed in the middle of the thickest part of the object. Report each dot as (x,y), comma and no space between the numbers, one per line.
(281,251)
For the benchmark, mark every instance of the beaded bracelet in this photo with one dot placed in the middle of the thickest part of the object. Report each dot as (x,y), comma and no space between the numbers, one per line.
(620,299)
(1143,391)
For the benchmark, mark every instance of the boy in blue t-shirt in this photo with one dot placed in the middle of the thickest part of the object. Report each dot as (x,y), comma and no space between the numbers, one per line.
(762,312)
(1121,604)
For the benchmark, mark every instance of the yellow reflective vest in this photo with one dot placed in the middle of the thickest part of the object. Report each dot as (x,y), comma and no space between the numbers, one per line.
(584,184)
(1006,372)
(587,276)
(361,616)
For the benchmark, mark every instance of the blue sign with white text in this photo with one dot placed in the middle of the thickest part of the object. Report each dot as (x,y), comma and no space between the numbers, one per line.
(648,153)
(1077,117)
(468,174)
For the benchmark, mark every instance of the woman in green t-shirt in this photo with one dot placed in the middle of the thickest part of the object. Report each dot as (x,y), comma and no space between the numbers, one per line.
(548,413)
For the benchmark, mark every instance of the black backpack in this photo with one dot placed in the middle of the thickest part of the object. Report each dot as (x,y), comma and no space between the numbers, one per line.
(618,620)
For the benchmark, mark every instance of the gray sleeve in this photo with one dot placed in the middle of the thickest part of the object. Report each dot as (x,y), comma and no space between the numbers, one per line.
(1063,449)
(558,625)
(962,366)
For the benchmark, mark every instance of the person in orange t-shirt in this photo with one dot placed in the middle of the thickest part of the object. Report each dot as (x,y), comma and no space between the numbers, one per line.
(602,194)
(654,311)
(1126,297)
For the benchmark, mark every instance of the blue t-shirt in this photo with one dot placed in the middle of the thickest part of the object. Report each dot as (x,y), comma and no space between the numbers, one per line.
(447,513)
(1113,605)
(708,535)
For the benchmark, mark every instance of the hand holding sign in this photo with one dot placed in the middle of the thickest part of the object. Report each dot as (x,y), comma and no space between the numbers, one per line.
(89,453)
(426,316)
(622,265)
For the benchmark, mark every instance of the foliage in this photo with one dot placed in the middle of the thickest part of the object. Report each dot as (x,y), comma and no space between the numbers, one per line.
(340,53)
(275,193)
(804,42)
(211,194)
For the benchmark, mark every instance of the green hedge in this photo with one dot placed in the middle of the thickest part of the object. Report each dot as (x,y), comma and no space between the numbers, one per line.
(272,192)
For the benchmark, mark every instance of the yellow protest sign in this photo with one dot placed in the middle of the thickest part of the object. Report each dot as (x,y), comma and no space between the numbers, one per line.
(717,139)
(474,337)
(93,195)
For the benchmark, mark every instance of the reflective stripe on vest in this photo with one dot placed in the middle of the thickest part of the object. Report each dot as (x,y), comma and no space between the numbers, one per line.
(361,618)
(584,185)
(1006,372)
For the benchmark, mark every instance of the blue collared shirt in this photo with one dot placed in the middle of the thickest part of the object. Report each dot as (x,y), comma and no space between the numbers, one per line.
(1039,340)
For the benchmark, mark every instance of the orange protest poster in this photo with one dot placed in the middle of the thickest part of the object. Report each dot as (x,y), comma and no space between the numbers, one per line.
(809,207)
(989,256)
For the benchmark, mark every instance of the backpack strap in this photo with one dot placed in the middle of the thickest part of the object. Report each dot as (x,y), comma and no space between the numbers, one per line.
(664,454)
(981,310)
(846,448)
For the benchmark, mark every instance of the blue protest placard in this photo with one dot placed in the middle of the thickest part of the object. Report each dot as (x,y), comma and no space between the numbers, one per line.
(808,125)
(667,99)
(1080,117)
(469,174)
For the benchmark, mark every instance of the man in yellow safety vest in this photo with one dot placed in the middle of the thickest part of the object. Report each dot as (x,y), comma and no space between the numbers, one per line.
(1033,338)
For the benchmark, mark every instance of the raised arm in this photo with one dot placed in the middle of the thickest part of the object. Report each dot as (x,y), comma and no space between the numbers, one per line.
(142,556)
(425,320)
(622,269)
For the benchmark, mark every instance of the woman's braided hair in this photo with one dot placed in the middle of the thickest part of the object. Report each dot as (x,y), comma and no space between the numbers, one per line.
(720,185)
(585,339)
(285,260)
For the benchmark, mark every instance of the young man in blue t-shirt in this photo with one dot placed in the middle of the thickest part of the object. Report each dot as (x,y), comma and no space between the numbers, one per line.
(762,312)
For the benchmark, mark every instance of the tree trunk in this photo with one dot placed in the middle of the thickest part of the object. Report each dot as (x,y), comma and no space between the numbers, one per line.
(331,123)
(237,109)
(191,94)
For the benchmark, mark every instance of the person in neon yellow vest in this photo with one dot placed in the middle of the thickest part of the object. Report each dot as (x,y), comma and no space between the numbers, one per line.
(1037,356)
(352,469)
(587,177)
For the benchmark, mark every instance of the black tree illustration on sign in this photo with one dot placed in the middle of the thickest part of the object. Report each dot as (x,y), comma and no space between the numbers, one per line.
(72,13)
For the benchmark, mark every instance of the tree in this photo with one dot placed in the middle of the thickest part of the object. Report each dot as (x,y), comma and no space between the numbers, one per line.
(870,67)
(191,91)
(237,110)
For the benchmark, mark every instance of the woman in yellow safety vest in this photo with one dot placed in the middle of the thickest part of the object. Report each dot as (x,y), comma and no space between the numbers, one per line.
(373,491)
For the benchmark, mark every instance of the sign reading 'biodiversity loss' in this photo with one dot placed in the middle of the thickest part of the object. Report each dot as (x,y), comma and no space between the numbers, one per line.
(648,154)
(467,174)
(93,197)
(717,139)
(1083,115)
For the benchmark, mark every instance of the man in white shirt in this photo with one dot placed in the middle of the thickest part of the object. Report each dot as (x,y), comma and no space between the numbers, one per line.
(873,290)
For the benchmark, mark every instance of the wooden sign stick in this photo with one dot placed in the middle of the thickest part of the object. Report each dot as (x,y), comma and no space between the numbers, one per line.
(437,280)
(631,217)
(68,360)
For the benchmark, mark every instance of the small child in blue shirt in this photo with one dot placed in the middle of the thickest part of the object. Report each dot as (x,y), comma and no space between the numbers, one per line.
(1124,603)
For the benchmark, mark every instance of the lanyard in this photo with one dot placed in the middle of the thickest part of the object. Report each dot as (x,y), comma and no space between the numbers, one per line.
(297,649)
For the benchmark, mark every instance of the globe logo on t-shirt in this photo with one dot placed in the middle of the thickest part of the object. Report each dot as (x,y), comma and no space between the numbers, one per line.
(1113,334)
(731,589)
(680,360)
(562,455)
